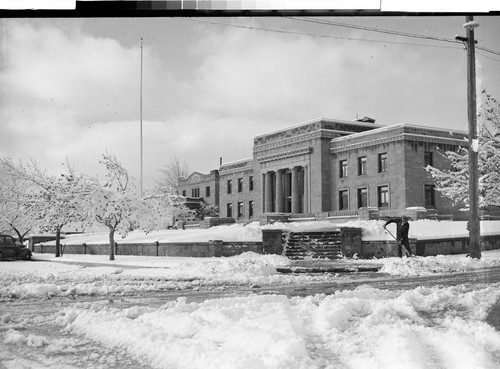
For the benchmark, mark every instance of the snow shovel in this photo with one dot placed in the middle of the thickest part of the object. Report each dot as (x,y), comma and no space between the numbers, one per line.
(399,243)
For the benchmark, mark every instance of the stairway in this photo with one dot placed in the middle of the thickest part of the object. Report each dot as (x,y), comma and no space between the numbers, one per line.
(316,245)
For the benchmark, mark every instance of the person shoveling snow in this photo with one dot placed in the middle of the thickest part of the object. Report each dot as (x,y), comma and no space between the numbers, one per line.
(402,229)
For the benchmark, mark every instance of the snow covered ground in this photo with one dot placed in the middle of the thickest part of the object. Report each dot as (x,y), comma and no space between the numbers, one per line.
(372,230)
(366,327)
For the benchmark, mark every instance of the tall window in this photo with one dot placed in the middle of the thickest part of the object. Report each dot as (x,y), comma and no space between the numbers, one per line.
(250,183)
(195,192)
(229,186)
(362,197)
(250,208)
(428,158)
(344,200)
(240,209)
(382,162)
(430,196)
(343,168)
(362,165)
(383,196)
(207,191)
(229,210)
(184,193)
(240,184)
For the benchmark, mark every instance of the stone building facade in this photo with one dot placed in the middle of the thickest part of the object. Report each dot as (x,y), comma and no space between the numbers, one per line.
(328,166)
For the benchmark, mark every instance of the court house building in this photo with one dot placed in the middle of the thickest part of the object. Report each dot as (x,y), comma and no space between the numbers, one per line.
(327,168)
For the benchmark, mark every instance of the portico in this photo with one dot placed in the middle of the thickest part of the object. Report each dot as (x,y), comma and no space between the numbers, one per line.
(284,190)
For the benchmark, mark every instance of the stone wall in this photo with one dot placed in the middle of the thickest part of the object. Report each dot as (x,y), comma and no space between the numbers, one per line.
(180,249)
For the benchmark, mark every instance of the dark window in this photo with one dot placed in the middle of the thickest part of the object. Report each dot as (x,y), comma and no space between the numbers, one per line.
(383,196)
(195,192)
(207,191)
(240,184)
(344,200)
(250,183)
(229,210)
(343,168)
(240,209)
(250,209)
(184,193)
(382,162)
(362,197)
(430,196)
(362,165)
(428,158)
(229,186)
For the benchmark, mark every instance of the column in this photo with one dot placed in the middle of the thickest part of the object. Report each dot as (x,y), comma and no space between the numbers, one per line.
(279,191)
(295,190)
(268,202)
(306,189)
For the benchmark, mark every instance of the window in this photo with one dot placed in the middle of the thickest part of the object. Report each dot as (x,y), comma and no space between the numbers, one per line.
(240,209)
(343,168)
(207,191)
(362,165)
(240,184)
(362,197)
(250,209)
(229,186)
(184,193)
(430,196)
(250,183)
(195,192)
(383,196)
(229,210)
(344,200)
(382,162)
(428,158)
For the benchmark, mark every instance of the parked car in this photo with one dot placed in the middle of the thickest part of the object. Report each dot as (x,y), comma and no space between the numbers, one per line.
(12,249)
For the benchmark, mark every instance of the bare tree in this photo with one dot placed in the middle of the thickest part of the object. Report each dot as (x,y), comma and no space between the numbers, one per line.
(170,174)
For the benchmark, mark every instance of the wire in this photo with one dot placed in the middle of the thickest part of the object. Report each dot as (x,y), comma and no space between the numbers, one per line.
(311,34)
(403,34)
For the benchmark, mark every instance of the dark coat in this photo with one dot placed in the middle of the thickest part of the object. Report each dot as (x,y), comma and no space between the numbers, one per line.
(401,229)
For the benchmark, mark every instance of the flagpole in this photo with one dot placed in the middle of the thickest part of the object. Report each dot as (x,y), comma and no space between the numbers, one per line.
(141,122)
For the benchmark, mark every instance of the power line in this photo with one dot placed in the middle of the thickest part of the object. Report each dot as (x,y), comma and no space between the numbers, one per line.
(386,31)
(317,35)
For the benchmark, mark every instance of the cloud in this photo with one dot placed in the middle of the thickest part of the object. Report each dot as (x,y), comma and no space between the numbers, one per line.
(73,94)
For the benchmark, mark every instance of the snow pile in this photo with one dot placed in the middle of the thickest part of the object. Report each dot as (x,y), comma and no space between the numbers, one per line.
(363,328)
(416,266)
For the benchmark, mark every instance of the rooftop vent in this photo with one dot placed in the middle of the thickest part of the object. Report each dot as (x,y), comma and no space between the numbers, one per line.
(366,119)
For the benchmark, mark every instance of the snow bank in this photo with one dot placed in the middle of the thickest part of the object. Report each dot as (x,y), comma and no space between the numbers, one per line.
(252,232)
(363,328)
(428,265)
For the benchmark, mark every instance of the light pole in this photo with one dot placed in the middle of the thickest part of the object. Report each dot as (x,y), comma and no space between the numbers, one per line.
(474,224)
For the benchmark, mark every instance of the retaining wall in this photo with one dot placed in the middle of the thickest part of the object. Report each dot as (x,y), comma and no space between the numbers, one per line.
(214,248)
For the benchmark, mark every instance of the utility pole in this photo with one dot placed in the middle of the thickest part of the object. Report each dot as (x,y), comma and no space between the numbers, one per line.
(141,120)
(474,224)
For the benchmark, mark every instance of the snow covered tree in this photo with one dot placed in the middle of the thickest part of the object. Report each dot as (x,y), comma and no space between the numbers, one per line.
(116,203)
(51,201)
(14,195)
(454,183)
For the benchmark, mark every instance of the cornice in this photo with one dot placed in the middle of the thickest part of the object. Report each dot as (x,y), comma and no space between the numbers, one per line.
(400,137)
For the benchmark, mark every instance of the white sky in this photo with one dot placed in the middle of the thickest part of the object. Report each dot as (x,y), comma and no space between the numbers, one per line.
(70,88)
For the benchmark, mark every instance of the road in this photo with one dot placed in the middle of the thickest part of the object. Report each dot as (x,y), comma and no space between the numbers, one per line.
(35,318)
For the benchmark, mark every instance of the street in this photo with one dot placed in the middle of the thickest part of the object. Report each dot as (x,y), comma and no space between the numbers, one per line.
(46,342)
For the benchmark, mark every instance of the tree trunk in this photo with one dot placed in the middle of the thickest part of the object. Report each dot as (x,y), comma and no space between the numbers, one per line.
(111,243)
(58,242)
